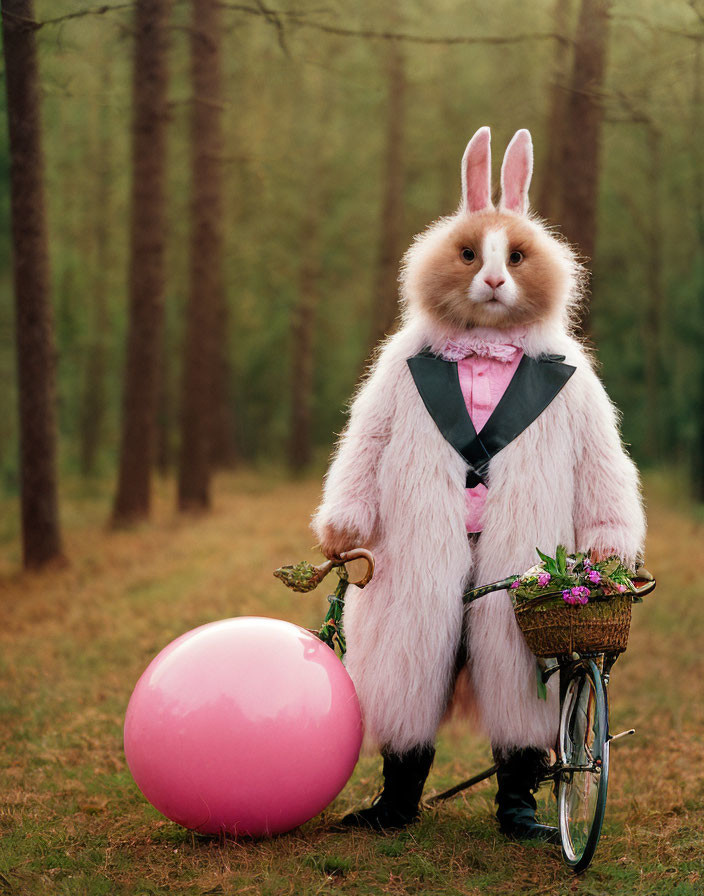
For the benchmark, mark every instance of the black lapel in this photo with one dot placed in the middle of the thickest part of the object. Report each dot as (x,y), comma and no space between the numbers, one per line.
(438,383)
(533,386)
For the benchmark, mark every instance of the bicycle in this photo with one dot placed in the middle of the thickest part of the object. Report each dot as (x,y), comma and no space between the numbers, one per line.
(580,771)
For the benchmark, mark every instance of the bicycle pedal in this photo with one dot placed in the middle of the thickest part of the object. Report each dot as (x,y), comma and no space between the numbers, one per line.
(613,737)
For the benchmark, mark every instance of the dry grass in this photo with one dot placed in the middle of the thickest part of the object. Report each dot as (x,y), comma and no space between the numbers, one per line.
(74,641)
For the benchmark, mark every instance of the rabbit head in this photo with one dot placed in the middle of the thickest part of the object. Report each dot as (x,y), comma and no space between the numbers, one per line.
(489,266)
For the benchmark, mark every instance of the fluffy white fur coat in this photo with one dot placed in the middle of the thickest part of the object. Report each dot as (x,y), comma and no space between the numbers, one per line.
(395,479)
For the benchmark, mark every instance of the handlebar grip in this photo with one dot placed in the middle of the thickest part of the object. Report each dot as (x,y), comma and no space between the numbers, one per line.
(360,554)
(649,583)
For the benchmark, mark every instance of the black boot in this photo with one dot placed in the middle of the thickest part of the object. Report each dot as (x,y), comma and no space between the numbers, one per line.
(518,776)
(397,804)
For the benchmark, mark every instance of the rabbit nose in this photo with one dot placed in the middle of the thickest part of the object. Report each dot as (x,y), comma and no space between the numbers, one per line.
(494,282)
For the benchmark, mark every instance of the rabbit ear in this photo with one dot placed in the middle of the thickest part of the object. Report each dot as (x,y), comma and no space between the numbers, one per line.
(476,172)
(516,172)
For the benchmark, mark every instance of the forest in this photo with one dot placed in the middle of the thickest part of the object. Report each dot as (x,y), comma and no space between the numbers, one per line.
(228,190)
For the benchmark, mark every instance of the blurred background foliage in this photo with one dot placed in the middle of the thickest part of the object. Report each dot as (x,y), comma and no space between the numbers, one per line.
(305,118)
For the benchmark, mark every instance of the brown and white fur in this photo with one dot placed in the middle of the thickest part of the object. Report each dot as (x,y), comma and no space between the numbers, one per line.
(397,486)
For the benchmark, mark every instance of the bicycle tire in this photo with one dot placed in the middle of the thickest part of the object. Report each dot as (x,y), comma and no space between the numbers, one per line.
(583,741)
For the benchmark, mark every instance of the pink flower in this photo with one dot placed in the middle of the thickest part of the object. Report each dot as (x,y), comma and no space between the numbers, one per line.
(568,597)
(544,578)
(587,563)
(621,588)
(581,594)
(594,576)
(516,583)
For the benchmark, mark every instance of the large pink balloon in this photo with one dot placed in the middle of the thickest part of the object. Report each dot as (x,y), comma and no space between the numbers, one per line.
(249,726)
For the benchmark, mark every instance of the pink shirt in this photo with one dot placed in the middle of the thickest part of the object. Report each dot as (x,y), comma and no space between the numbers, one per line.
(483,381)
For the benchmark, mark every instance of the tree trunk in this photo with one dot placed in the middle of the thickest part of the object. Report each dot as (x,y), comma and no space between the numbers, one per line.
(653,320)
(698,125)
(147,260)
(36,355)
(391,245)
(548,203)
(310,271)
(698,454)
(302,330)
(579,190)
(223,452)
(93,403)
(205,299)
(165,415)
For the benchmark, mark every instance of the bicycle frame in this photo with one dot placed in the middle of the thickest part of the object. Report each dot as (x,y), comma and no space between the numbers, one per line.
(584,714)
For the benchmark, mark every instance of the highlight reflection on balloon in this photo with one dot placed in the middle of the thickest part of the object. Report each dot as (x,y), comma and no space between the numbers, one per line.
(248,726)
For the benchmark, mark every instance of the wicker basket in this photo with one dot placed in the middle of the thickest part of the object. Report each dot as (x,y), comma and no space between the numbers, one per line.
(552,629)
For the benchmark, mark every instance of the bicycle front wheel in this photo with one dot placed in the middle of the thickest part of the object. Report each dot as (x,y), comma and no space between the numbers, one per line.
(584,756)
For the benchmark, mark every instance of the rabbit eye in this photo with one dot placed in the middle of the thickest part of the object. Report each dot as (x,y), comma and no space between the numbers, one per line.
(515,257)
(467,255)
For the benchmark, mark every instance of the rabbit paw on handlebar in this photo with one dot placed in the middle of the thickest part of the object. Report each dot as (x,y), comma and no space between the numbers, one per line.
(335,540)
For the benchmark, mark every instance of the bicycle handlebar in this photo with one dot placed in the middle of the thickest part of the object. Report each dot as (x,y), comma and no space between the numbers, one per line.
(348,557)
(641,575)
(649,583)
(305,577)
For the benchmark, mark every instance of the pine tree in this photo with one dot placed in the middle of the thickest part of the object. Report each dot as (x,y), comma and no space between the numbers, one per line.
(147,261)
(41,538)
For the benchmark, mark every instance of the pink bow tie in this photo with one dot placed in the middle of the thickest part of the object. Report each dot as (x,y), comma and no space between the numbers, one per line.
(457,349)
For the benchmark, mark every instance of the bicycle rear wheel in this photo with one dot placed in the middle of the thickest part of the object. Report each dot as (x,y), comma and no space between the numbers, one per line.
(584,755)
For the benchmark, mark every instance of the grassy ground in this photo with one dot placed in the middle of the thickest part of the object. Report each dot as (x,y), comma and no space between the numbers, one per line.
(74,641)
